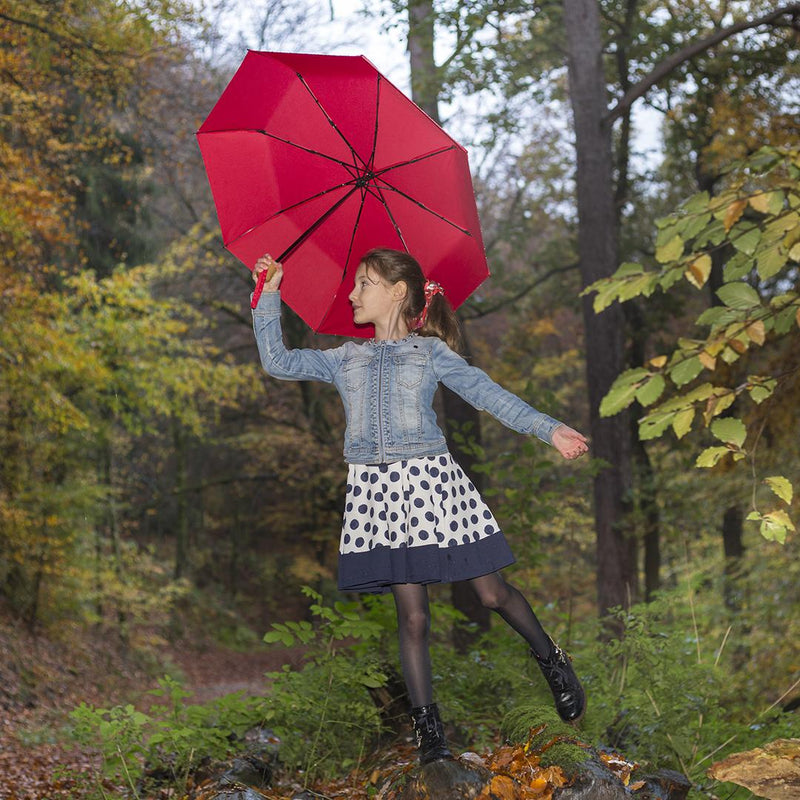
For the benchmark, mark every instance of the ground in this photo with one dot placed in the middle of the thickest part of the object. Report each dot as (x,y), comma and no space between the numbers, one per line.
(43,678)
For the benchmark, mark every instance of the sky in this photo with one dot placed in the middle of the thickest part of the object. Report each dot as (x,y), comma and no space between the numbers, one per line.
(337,26)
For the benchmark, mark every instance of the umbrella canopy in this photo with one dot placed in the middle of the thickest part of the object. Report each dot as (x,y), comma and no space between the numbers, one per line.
(316,159)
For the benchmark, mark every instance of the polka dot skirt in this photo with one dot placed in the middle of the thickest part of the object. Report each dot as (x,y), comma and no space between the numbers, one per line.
(416,521)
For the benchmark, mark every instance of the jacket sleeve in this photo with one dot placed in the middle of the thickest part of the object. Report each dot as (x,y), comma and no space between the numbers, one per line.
(288,365)
(480,391)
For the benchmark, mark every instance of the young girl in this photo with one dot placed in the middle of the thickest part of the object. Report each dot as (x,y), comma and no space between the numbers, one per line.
(412,517)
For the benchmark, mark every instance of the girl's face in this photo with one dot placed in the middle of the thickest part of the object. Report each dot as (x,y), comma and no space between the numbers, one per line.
(373,299)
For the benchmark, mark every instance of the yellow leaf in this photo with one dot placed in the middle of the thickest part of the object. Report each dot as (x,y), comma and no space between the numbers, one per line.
(502,787)
(738,345)
(707,360)
(658,361)
(735,210)
(782,487)
(756,331)
(780,517)
(699,270)
(682,423)
(794,252)
(760,202)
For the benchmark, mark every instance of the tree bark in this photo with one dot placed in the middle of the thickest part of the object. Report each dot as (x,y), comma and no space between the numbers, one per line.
(182,522)
(425,89)
(605,332)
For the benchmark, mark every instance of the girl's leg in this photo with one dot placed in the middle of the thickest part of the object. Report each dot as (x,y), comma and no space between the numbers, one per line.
(509,603)
(413,624)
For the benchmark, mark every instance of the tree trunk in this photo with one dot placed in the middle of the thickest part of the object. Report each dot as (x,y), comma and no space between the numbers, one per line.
(732,520)
(425,88)
(605,332)
(182,522)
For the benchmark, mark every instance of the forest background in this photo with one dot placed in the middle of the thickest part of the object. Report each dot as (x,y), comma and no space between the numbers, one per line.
(156,489)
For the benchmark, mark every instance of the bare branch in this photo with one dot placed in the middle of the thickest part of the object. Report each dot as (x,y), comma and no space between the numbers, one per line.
(774,18)
(476,313)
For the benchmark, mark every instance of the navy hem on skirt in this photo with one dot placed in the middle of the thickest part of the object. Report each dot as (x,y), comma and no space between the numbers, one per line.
(420,520)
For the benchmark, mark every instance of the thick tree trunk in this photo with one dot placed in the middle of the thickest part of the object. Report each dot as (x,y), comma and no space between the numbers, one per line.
(425,88)
(182,522)
(605,332)
(732,521)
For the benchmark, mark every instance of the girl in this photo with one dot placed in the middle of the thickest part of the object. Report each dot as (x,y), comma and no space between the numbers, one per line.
(412,516)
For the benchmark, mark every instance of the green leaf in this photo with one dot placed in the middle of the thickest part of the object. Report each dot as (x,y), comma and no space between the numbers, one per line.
(775,526)
(737,267)
(771,262)
(695,226)
(628,268)
(730,430)
(622,392)
(717,317)
(710,456)
(284,637)
(748,241)
(761,388)
(696,204)
(780,486)
(682,423)
(651,390)
(686,370)
(655,423)
(671,251)
(738,295)
(785,319)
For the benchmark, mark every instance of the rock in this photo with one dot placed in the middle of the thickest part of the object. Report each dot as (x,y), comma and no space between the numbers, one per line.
(445,780)
(666,784)
(771,771)
(551,760)
(249,770)
(231,792)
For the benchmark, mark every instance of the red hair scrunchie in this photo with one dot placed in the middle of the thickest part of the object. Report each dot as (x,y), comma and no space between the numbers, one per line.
(431,288)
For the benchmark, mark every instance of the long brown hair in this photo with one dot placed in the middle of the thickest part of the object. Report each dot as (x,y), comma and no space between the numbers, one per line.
(395,266)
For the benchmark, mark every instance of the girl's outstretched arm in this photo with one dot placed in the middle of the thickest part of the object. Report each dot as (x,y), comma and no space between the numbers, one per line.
(569,442)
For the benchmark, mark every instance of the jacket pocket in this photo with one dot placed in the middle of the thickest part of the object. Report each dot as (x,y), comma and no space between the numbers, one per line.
(356,372)
(410,369)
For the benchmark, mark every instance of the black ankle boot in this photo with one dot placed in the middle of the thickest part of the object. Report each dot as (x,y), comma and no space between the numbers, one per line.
(429,733)
(564,684)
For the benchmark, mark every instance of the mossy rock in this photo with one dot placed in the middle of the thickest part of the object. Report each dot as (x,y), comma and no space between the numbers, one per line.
(557,742)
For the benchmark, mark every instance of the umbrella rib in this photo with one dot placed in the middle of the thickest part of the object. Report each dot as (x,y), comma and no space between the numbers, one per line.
(330,121)
(353,234)
(416,160)
(382,200)
(305,149)
(308,231)
(423,207)
(309,199)
(375,133)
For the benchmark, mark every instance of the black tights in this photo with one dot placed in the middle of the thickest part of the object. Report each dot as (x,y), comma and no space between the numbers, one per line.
(414,621)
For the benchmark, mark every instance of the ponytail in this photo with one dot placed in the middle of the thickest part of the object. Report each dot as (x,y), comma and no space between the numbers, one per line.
(438,318)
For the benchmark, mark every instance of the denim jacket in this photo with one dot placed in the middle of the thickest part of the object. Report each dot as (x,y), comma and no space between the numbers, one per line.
(387,389)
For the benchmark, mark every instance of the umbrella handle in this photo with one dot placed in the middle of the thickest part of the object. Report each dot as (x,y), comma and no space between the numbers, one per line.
(263,277)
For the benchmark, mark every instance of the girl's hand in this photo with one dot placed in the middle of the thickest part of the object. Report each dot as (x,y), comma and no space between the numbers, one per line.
(569,442)
(276,269)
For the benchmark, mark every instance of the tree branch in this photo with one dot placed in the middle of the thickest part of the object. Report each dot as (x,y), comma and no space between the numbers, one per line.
(695,48)
(477,313)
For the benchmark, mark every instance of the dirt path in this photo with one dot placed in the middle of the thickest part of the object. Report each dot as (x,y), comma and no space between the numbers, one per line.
(42,681)
(215,672)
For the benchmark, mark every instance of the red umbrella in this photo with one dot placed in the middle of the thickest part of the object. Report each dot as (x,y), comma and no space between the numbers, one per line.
(320,158)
